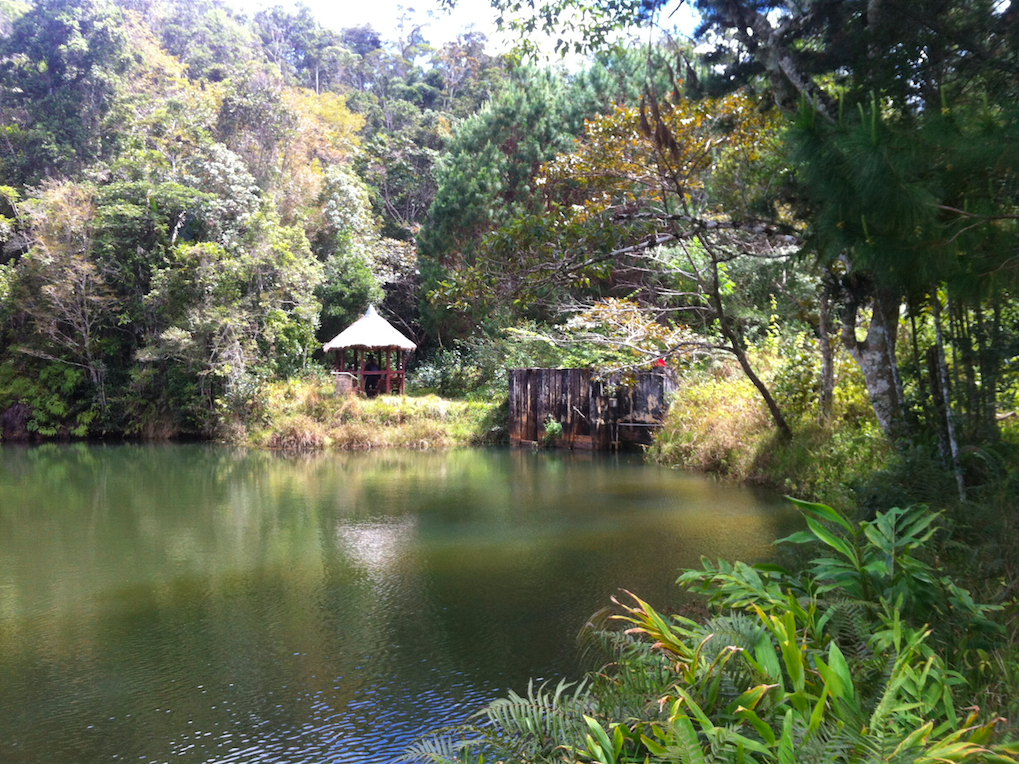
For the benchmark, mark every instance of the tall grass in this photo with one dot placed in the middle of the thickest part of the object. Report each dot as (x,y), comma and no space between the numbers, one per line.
(718,424)
(309,414)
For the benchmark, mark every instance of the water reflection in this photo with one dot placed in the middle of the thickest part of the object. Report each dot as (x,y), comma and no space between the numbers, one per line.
(198,604)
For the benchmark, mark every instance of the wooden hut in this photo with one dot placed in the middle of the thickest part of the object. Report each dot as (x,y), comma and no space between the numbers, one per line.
(371,355)
(598,414)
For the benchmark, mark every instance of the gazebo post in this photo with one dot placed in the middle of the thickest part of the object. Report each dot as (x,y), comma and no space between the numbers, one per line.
(389,373)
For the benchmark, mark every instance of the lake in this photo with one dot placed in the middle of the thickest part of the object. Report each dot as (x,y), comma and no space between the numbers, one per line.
(198,603)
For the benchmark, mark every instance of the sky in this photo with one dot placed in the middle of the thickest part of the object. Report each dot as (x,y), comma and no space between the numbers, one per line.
(385,15)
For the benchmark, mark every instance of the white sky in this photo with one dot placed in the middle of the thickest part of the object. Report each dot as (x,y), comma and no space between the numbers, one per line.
(384,16)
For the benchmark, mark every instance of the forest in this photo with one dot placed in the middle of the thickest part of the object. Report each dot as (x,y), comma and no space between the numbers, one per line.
(807,213)
(194,201)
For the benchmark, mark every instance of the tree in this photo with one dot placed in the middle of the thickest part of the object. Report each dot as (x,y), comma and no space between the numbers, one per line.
(887,169)
(288,39)
(470,76)
(59,72)
(199,198)
(65,294)
(637,182)
(868,83)
(207,36)
(349,246)
(228,317)
(485,176)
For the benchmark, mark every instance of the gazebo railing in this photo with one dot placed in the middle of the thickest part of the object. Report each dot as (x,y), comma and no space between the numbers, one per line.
(365,380)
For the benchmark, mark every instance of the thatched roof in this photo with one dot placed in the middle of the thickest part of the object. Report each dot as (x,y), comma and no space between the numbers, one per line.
(371,332)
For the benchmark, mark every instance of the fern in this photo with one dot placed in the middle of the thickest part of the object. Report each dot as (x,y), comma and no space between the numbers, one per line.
(537,723)
(733,630)
(446,746)
(838,741)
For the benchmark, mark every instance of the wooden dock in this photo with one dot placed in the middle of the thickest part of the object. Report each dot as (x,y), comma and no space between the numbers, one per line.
(594,414)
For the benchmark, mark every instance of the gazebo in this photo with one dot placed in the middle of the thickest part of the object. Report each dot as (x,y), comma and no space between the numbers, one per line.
(372,353)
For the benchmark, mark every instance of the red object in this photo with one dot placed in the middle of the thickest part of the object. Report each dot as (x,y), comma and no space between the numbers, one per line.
(660,362)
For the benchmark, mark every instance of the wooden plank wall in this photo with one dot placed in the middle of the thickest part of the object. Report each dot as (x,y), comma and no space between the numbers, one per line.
(595,414)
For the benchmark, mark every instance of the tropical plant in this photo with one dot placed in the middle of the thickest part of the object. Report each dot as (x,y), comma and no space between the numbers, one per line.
(820,667)
(553,431)
(516,728)
(877,564)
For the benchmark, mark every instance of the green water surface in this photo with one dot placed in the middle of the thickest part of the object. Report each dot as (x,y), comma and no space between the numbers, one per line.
(193,603)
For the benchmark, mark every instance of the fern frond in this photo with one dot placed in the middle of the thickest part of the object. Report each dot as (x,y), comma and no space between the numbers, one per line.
(450,745)
(543,720)
(837,741)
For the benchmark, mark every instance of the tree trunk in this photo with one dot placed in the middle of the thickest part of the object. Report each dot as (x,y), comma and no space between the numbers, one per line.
(953,441)
(736,347)
(875,355)
(988,342)
(744,362)
(939,397)
(827,382)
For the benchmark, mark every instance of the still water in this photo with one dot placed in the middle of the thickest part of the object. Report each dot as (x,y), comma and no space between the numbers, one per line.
(204,604)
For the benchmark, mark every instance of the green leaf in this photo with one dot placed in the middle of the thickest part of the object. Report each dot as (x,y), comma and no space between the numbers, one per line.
(829,538)
(693,707)
(817,716)
(750,698)
(763,729)
(916,736)
(600,741)
(839,666)
(767,659)
(800,537)
(791,652)
(770,567)
(822,512)
(786,752)
(656,748)
(618,740)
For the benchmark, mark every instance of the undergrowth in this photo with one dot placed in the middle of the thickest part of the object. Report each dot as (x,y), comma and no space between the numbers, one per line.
(869,653)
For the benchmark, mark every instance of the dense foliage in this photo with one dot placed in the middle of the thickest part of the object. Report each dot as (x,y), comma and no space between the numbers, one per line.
(192,200)
(850,164)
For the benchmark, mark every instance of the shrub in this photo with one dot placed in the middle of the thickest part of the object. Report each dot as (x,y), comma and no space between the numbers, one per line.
(716,423)
(58,394)
(478,366)
(553,430)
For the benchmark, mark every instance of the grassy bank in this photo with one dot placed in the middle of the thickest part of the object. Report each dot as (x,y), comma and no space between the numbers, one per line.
(309,414)
(719,425)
